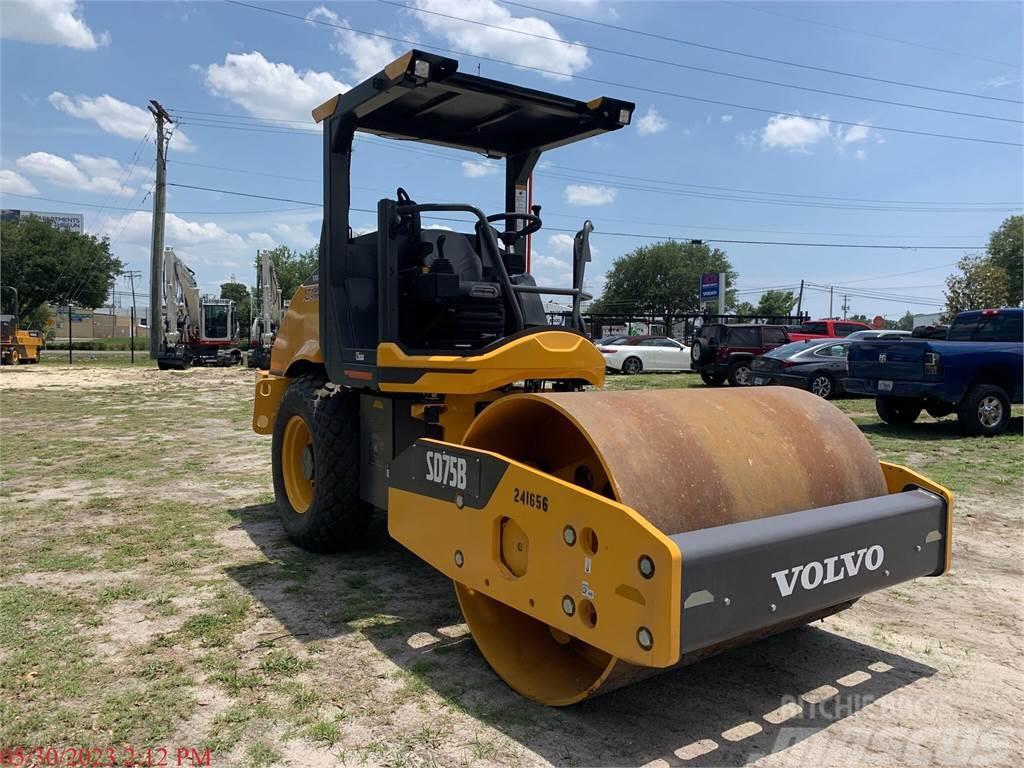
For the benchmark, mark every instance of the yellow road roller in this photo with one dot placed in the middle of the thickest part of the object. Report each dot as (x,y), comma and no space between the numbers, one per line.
(593,537)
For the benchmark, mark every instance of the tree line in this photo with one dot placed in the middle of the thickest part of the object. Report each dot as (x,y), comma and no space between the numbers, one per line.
(49,266)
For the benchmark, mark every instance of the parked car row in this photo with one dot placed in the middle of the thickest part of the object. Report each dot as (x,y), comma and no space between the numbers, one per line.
(720,352)
(975,369)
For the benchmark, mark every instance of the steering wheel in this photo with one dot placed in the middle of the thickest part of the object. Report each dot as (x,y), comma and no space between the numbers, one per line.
(510,236)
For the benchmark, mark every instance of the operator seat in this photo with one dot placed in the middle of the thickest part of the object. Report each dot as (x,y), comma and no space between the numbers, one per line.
(469,317)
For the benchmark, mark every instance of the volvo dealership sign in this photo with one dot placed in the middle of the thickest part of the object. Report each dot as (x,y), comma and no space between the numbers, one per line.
(73,222)
(712,289)
(710,285)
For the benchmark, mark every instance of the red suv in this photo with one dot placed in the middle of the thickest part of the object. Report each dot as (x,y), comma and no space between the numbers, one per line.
(723,352)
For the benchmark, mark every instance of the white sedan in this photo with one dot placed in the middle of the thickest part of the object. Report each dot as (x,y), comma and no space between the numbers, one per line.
(646,353)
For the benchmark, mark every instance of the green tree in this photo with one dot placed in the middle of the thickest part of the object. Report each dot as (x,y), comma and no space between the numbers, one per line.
(861,318)
(46,264)
(239,293)
(293,267)
(745,308)
(776,303)
(979,284)
(1006,250)
(662,280)
(905,323)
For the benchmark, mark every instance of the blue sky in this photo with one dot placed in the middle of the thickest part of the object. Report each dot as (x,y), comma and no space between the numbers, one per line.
(76,77)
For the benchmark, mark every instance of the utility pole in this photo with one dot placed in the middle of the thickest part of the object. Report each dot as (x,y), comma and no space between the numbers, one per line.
(156,256)
(132,274)
(800,300)
(831,290)
(846,305)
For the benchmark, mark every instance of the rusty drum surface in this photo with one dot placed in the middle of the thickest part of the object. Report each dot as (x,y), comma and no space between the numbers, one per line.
(685,460)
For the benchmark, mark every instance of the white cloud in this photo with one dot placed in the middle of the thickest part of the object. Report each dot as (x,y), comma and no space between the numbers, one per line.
(1000,81)
(368,55)
(266,88)
(549,262)
(179,233)
(474,169)
(99,175)
(114,116)
(486,41)
(651,122)
(213,249)
(51,22)
(262,240)
(798,134)
(725,118)
(562,243)
(860,154)
(589,194)
(15,184)
(853,134)
(297,234)
(794,133)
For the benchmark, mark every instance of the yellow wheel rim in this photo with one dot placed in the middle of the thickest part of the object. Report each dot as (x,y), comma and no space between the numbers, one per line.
(297,464)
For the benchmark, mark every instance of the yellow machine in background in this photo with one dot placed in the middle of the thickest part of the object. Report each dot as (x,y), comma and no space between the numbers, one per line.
(18,346)
(593,537)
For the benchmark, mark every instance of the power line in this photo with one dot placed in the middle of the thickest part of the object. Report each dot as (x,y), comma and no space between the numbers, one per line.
(561,214)
(761,9)
(652,60)
(791,199)
(901,274)
(136,209)
(642,89)
(756,57)
(885,246)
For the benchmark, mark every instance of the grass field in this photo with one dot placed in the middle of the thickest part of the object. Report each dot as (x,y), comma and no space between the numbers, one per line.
(149,598)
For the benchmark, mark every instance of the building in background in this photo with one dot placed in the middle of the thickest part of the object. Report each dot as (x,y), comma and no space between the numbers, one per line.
(73,222)
(102,323)
(933,318)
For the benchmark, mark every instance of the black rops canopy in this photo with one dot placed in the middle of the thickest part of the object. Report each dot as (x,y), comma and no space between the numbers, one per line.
(422,97)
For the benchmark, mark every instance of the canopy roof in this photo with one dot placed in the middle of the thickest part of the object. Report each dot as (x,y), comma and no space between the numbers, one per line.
(422,97)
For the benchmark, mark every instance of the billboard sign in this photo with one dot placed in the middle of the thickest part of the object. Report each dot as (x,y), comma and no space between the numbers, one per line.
(73,222)
(710,285)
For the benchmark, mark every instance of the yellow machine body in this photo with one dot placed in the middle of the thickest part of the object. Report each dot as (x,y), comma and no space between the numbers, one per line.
(623,471)
(593,537)
(21,347)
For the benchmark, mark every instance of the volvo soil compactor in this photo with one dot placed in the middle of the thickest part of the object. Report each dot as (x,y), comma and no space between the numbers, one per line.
(593,537)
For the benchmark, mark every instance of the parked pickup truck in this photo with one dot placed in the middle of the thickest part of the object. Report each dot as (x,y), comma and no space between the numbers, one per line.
(824,329)
(976,372)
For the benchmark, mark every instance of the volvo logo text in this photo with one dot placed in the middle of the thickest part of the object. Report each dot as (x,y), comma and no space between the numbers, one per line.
(815,573)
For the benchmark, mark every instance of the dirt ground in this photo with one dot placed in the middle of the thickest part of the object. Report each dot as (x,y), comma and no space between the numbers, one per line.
(148,598)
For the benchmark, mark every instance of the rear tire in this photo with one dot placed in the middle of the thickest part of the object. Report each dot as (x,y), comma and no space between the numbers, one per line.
(740,374)
(712,379)
(984,411)
(897,411)
(631,366)
(316,466)
(822,385)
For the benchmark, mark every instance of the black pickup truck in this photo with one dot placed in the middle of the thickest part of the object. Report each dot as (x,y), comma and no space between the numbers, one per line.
(976,373)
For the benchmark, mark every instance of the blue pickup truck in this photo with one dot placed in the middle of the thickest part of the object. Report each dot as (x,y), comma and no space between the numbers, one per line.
(976,372)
